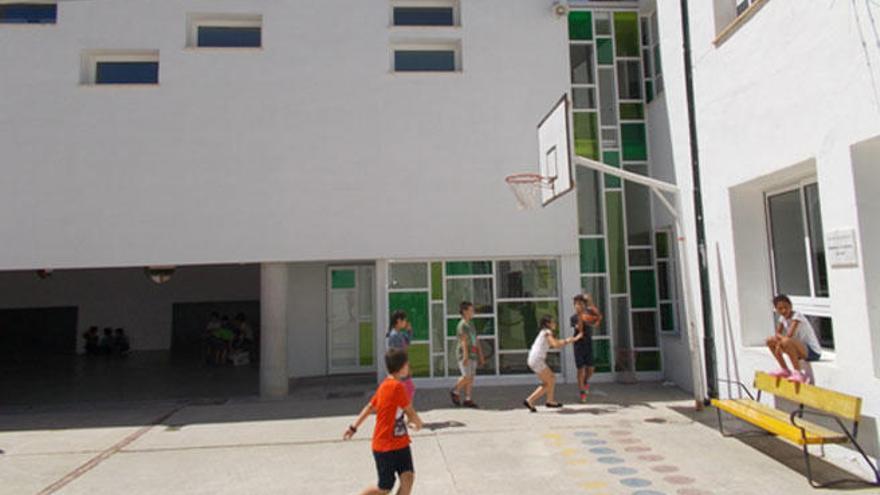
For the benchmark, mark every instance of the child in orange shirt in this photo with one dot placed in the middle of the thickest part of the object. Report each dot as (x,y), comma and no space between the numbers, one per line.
(393,408)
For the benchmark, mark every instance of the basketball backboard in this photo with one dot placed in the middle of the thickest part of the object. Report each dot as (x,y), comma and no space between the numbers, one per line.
(554,152)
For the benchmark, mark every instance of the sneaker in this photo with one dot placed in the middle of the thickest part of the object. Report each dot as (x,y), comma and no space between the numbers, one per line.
(531,407)
(797,377)
(583,396)
(780,373)
(456,399)
(470,403)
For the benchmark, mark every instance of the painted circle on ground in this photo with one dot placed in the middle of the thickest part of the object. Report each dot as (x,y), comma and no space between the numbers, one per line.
(628,441)
(635,482)
(594,442)
(678,479)
(602,450)
(593,485)
(692,491)
(584,434)
(638,449)
(622,471)
(651,457)
(610,460)
(664,469)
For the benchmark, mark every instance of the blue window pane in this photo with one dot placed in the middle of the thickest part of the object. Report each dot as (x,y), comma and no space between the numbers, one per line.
(423,16)
(28,13)
(424,60)
(222,36)
(127,73)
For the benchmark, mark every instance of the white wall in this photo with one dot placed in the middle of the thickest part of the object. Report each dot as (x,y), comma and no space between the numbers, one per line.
(125,297)
(791,86)
(307,149)
(307,320)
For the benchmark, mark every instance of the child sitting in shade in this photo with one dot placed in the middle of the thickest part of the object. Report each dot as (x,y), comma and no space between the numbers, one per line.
(795,338)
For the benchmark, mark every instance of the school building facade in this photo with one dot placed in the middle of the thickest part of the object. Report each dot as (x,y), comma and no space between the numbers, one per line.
(320,165)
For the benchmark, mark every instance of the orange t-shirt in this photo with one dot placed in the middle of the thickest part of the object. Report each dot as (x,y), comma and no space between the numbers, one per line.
(390,431)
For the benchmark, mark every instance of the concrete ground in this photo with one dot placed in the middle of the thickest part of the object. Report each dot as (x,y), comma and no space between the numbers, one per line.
(642,439)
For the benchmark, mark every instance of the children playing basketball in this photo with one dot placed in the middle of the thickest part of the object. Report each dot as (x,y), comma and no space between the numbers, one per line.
(398,337)
(469,353)
(537,361)
(586,317)
(795,338)
(390,445)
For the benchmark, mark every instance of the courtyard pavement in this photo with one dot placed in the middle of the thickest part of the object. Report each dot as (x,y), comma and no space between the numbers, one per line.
(643,439)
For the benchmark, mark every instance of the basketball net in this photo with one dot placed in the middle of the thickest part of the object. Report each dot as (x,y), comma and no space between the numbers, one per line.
(528,189)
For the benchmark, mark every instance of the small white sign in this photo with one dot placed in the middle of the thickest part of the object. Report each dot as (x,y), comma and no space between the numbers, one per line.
(840,247)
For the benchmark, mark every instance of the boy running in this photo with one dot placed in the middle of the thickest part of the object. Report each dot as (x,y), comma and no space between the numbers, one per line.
(390,439)
(468,352)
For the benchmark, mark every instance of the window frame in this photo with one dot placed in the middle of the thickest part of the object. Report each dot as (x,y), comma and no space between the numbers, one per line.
(812,305)
(195,21)
(91,59)
(438,46)
(453,4)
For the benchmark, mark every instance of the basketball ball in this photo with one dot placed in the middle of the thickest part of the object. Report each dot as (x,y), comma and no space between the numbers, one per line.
(590,318)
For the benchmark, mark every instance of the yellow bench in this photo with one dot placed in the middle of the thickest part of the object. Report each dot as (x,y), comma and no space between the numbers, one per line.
(791,426)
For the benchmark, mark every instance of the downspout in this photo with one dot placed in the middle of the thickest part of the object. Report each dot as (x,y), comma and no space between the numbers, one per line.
(705,294)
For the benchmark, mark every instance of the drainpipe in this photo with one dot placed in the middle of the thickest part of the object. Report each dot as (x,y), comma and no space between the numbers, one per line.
(705,294)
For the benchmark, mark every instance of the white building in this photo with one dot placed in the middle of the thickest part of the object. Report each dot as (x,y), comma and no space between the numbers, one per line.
(346,159)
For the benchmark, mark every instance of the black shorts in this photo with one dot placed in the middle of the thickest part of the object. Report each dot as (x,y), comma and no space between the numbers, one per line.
(391,463)
(583,353)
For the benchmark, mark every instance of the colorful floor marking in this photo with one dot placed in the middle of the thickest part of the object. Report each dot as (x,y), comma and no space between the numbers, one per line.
(628,441)
(610,460)
(664,469)
(623,471)
(638,449)
(594,442)
(602,450)
(692,491)
(679,480)
(593,485)
(651,457)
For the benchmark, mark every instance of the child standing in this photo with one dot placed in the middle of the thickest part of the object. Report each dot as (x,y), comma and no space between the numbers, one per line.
(586,317)
(538,362)
(468,352)
(398,337)
(795,338)
(390,439)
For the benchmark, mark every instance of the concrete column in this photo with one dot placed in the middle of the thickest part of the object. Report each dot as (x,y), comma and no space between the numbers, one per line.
(570,284)
(380,315)
(273,330)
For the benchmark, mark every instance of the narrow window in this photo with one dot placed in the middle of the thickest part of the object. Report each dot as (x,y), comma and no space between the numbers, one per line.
(127,73)
(424,16)
(229,37)
(28,13)
(424,60)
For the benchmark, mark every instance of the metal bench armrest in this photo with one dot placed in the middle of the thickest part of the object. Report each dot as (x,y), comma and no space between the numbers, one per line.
(741,386)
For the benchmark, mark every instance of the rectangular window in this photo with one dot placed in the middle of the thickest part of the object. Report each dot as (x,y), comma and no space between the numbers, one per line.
(424,60)
(581,58)
(28,13)
(225,31)
(120,68)
(229,37)
(424,16)
(629,80)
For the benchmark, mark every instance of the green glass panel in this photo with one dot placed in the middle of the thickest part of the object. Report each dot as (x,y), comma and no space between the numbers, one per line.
(342,279)
(518,322)
(580,25)
(586,135)
(416,306)
(484,326)
(488,348)
(468,267)
(649,91)
(626,33)
(589,200)
(661,241)
(632,111)
(419,360)
(366,344)
(592,255)
(616,242)
(667,318)
(634,142)
(605,51)
(648,361)
(602,355)
(527,279)
(644,293)
(611,158)
(408,276)
(436,281)
(644,327)
(438,326)
(657,67)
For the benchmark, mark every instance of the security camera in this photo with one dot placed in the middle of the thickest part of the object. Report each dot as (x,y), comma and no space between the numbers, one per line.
(560,8)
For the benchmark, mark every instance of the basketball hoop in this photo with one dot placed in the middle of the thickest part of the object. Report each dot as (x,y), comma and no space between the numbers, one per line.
(528,189)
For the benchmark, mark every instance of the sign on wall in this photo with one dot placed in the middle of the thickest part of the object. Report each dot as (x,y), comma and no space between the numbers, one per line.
(840,247)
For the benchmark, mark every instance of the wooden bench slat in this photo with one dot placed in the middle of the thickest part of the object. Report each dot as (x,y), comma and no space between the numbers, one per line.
(777,422)
(846,406)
